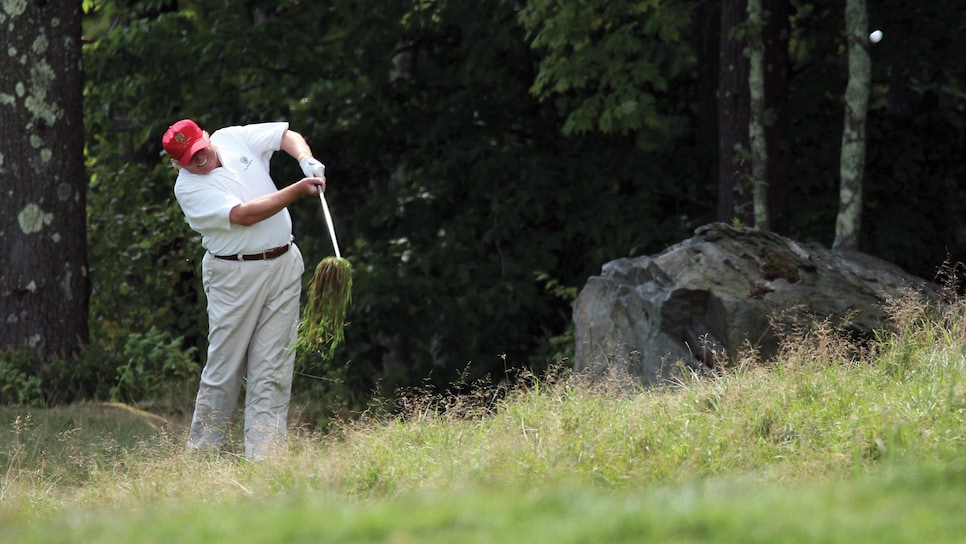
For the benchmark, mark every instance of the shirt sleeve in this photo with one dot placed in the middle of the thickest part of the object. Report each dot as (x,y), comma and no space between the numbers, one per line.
(263,139)
(205,207)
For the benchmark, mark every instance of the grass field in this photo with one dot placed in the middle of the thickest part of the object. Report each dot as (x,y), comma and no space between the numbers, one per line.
(832,443)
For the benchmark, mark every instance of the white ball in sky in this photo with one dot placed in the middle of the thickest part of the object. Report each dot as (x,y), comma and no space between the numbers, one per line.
(876,36)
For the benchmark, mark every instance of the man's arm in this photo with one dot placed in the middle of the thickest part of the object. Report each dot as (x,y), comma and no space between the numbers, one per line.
(248,213)
(295,145)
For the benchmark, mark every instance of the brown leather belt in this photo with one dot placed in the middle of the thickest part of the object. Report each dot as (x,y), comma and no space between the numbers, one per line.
(273,253)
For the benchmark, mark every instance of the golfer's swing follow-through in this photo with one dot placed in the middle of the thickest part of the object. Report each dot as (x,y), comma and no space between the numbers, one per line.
(251,273)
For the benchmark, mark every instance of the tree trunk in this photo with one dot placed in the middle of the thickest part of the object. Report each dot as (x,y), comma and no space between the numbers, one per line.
(756,122)
(852,167)
(775,36)
(734,196)
(43,280)
(706,127)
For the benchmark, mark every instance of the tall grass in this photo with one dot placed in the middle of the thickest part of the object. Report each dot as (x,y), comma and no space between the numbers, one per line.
(828,412)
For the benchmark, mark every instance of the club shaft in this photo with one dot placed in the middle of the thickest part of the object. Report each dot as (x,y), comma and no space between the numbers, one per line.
(328,222)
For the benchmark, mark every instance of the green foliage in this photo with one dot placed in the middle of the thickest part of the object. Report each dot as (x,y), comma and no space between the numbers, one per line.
(151,365)
(26,379)
(477,193)
(145,262)
(471,146)
(612,63)
(155,365)
(19,382)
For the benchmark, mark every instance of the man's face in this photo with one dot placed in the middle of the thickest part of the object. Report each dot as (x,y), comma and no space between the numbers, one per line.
(202,162)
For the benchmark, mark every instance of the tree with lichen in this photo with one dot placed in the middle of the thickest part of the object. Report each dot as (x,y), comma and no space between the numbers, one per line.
(43,238)
(852,166)
(756,124)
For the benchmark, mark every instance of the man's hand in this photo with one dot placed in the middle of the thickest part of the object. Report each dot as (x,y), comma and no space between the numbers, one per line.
(311,167)
(315,185)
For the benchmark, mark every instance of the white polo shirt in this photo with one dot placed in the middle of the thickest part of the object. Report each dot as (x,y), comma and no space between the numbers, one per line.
(206,200)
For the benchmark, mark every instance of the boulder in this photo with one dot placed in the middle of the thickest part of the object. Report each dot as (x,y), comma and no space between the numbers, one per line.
(698,303)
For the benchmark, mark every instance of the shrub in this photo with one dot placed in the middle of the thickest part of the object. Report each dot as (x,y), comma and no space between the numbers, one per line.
(19,382)
(150,365)
(154,364)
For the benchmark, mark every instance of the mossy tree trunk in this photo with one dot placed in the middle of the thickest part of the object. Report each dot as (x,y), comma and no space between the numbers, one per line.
(43,280)
(756,122)
(852,166)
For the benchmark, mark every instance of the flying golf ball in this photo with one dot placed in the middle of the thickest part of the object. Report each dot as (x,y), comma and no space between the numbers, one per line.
(876,36)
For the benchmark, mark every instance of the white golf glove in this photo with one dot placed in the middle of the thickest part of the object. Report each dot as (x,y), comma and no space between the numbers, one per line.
(312,168)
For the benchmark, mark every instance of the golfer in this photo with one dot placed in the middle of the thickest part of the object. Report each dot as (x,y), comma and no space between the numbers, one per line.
(251,272)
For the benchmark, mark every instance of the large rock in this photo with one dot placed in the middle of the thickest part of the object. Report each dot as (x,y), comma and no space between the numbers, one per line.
(701,301)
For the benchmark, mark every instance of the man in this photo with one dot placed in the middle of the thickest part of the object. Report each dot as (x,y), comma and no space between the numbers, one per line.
(251,272)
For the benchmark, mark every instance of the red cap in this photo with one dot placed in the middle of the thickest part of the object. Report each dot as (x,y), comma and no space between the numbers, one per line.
(183,139)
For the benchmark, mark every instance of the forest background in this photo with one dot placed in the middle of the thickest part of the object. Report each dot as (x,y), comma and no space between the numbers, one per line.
(484,159)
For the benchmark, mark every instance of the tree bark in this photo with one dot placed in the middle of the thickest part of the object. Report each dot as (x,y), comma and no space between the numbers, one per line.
(706,127)
(775,36)
(852,167)
(756,121)
(734,195)
(44,286)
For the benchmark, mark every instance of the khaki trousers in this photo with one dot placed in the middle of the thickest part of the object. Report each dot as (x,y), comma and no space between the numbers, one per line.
(253,311)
